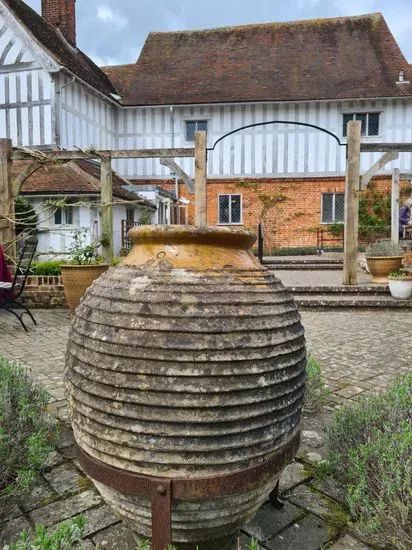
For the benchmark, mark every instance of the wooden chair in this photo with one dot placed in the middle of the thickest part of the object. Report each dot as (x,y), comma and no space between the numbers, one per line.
(10,292)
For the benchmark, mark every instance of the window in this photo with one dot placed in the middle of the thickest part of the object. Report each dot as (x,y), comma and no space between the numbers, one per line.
(63,216)
(333,207)
(193,126)
(369,123)
(230,209)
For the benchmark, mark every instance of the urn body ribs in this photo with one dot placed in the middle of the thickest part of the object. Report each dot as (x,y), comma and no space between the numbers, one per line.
(187,362)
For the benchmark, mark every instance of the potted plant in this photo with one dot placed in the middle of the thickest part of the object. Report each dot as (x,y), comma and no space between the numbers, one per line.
(382,258)
(400,285)
(85,265)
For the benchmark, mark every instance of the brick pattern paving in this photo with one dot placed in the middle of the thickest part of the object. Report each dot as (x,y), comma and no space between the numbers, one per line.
(359,351)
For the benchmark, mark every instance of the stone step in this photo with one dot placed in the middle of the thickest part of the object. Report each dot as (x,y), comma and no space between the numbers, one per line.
(335,290)
(349,301)
(303,267)
(301,261)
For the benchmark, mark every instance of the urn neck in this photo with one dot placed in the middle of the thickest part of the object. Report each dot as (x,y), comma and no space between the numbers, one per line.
(190,247)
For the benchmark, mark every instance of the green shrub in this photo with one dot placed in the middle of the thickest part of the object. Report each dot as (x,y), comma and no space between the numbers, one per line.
(64,537)
(26,432)
(316,391)
(46,268)
(26,216)
(370,447)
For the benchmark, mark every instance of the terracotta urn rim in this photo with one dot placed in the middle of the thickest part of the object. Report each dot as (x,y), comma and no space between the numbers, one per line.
(71,266)
(190,234)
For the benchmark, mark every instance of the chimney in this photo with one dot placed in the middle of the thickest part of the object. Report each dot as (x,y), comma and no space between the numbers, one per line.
(62,15)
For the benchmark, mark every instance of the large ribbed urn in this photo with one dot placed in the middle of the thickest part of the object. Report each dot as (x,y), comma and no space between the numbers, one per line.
(185,374)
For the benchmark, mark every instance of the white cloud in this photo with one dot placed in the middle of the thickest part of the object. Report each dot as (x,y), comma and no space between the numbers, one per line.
(355,7)
(107,15)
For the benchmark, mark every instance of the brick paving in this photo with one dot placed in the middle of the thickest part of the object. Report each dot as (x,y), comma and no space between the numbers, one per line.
(360,352)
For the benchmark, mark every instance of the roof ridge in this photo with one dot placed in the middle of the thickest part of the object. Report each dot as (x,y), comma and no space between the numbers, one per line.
(271,24)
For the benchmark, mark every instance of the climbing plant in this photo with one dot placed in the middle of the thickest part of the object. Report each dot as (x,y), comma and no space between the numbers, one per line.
(268,204)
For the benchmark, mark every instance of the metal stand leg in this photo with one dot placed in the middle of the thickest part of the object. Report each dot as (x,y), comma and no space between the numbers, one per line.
(274,498)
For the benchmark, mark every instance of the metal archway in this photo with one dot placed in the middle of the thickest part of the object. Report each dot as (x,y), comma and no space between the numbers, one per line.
(306,124)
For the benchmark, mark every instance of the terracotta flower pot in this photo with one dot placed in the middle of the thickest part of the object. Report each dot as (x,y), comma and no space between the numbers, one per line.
(77,279)
(380,267)
(186,366)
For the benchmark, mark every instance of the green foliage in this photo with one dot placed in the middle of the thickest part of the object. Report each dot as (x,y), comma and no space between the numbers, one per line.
(316,391)
(383,248)
(145,217)
(83,253)
(336,228)
(374,214)
(370,446)
(26,431)
(64,537)
(26,216)
(294,251)
(46,268)
(399,276)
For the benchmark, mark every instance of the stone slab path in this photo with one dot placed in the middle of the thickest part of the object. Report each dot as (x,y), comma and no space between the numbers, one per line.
(360,352)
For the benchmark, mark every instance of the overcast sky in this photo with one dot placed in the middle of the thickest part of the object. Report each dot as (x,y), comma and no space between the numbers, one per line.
(113,31)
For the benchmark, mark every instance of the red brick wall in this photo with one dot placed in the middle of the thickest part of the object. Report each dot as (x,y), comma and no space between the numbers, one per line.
(44,292)
(61,14)
(290,223)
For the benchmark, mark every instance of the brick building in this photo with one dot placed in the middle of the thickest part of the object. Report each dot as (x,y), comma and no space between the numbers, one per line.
(323,72)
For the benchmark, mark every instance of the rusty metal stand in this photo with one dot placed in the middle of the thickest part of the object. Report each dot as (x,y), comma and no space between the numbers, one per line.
(162,491)
(274,498)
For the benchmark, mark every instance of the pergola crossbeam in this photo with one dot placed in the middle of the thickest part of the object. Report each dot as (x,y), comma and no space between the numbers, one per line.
(18,154)
(382,147)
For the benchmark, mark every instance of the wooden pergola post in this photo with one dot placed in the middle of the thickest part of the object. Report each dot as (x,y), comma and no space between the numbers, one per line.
(200,179)
(106,192)
(395,205)
(7,227)
(351,220)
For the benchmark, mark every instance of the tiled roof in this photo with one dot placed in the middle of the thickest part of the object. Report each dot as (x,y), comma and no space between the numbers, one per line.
(82,179)
(338,58)
(64,53)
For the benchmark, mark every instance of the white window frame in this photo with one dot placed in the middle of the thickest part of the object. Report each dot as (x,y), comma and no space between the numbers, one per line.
(334,193)
(368,112)
(63,213)
(230,208)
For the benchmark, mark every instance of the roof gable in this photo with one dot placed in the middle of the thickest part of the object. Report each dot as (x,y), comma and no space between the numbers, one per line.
(59,51)
(12,47)
(337,58)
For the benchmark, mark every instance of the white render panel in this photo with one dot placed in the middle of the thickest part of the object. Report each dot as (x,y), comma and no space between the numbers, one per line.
(12,49)
(86,120)
(281,150)
(25,106)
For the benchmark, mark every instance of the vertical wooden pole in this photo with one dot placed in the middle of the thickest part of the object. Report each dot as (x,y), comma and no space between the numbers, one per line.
(7,228)
(395,206)
(200,179)
(106,185)
(352,183)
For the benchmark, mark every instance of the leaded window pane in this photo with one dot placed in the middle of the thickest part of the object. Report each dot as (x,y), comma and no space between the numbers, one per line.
(327,208)
(362,118)
(202,125)
(373,127)
(224,209)
(236,209)
(69,215)
(58,216)
(339,207)
(346,119)
(190,130)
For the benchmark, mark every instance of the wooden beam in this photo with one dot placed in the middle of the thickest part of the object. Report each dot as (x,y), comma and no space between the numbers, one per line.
(374,169)
(381,147)
(180,173)
(200,179)
(98,154)
(8,229)
(350,252)
(106,186)
(395,206)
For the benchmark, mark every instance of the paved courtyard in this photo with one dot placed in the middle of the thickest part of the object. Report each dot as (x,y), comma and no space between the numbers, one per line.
(359,351)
